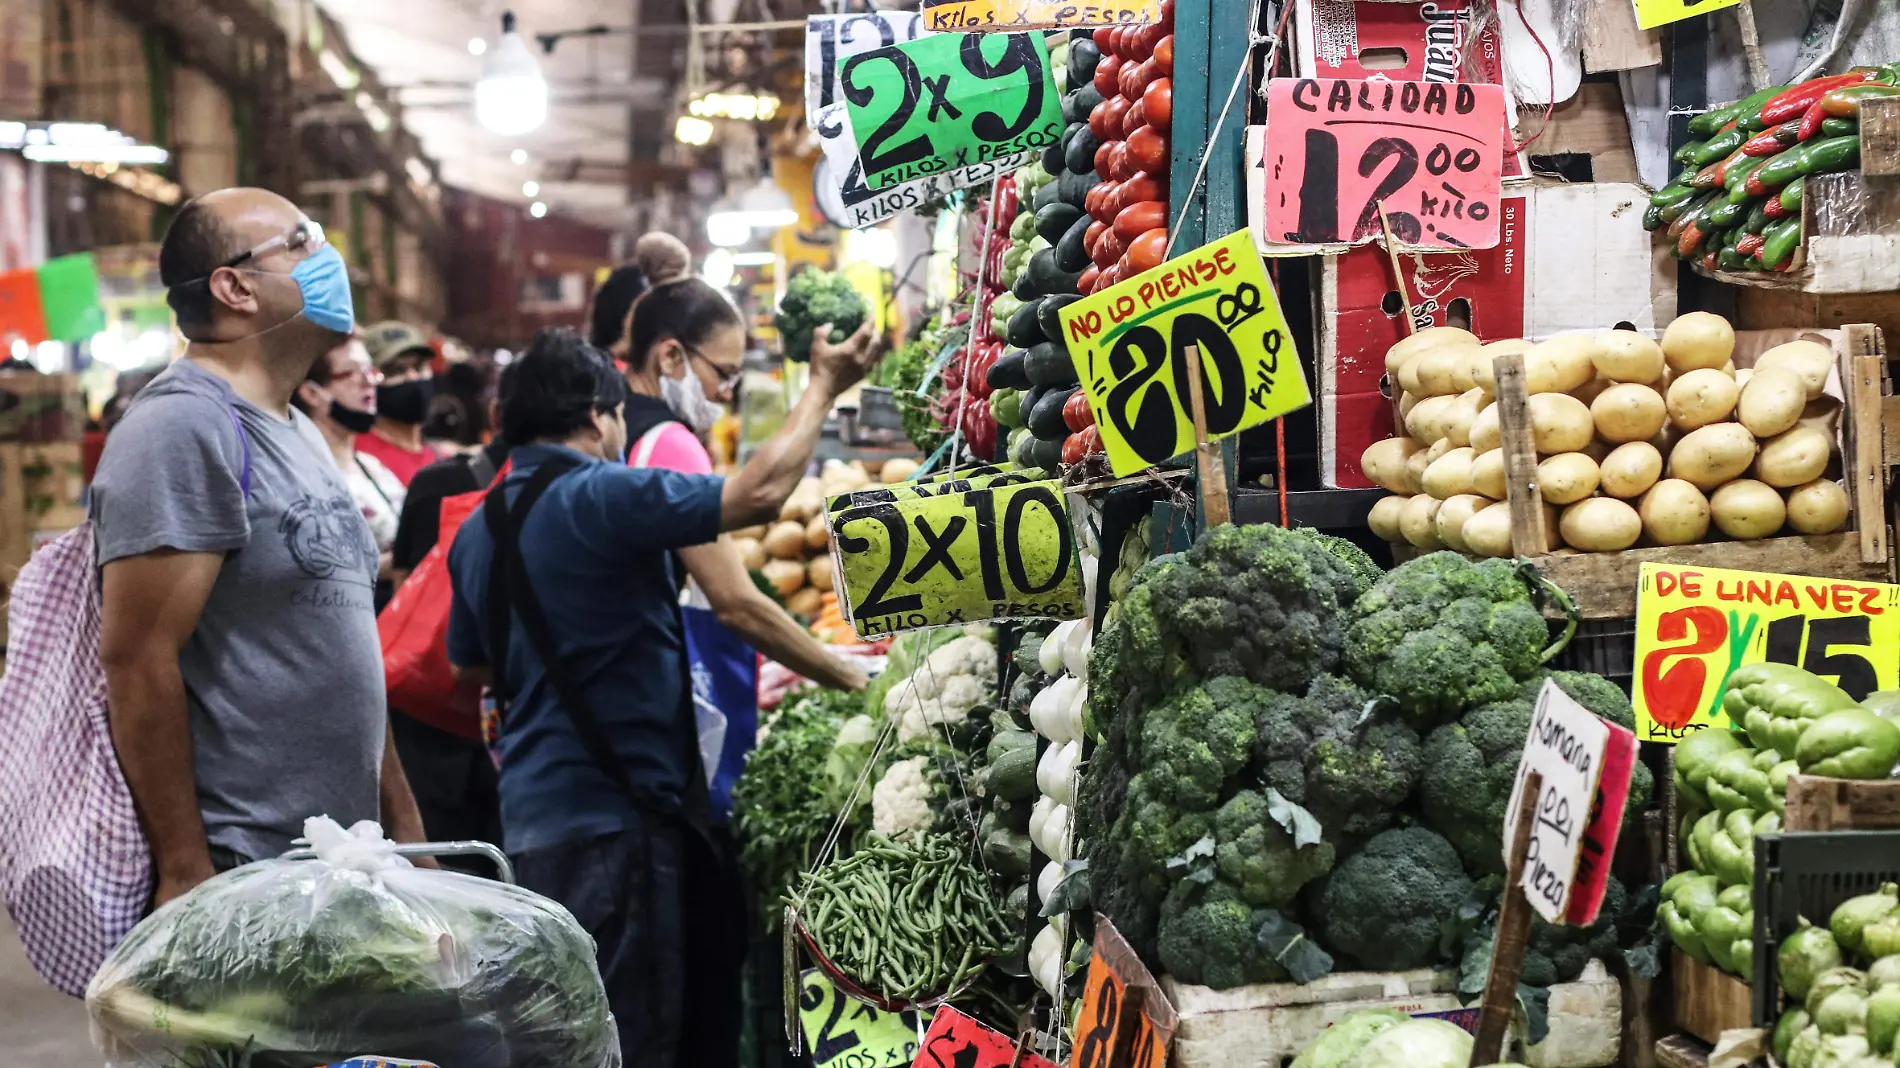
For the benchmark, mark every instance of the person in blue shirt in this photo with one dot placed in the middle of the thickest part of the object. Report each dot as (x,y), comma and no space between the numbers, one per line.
(567,604)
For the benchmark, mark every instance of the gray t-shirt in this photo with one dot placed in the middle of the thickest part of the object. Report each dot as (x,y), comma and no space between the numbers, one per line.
(284,675)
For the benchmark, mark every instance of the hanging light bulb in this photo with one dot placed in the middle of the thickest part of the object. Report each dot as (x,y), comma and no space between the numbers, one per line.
(512,97)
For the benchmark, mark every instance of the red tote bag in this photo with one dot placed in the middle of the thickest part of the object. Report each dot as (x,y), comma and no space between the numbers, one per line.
(415,633)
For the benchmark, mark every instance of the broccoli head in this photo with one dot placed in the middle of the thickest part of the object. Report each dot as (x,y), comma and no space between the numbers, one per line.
(1257,856)
(1359,564)
(1443,633)
(1153,831)
(1322,752)
(812,299)
(1208,935)
(1385,906)
(1191,746)
(1599,695)
(1560,953)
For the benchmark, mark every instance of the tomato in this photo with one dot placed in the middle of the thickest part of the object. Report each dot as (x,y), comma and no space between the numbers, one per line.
(1147,74)
(1164,56)
(1074,448)
(1101,157)
(1120,163)
(1108,249)
(1150,36)
(1104,209)
(1106,73)
(1146,252)
(1098,121)
(1115,119)
(1128,80)
(1147,151)
(1135,119)
(1076,413)
(1109,277)
(1142,187)
(1102,37)
(1093,233)
(1167,15)
(1137,219)
(1157,103)
(1086,284)
(1091,199)
(1123,46)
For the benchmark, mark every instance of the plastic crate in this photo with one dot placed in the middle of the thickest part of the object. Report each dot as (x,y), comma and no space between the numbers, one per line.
(1604,646)
(1808,874)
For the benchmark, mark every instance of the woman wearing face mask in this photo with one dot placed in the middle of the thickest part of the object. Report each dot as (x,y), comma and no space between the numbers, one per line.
(402,355)
(339,396)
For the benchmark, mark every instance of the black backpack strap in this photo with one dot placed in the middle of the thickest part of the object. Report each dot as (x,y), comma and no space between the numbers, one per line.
(482,468)
(509,588)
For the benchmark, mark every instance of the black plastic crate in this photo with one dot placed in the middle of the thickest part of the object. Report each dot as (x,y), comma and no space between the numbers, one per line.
(1808,874)
(1604,646)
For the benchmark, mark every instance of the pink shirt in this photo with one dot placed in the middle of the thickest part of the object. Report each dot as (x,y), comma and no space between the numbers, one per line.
(671,447)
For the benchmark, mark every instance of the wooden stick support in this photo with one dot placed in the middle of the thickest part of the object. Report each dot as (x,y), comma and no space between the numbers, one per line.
(1398,274)
(1529,537)
(1514,931)
(1862,359)
(1751,45)
(1207,456)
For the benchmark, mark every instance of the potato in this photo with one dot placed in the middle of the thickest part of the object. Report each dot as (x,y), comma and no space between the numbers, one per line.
(1450,474)
(1408,377)
(1485,433)
(1430,337)
(1591,390)
(1771,402)
(1484,375)
(1628,411)
(1597,449)
(1698,339)
(1438,449)
(1487,474)
(1630,469)
(1701,397)
(806,601)
(897,470)
(1561,364)
(817,534)
(1796,457)
(1809,360)
(1746,509)
(1488,533)
(1559,423)
(1567,478)
(1417,523)
(1384,518)
(818,572)
(1407,402)
(785,541)
(1712,455)
(755,533)
(1452,516)
(786,576)
(1463,361)
(1384,462)
(1627,356)
(1479,367)
(1427,421)
(1415,466)
(1818,507)
(749,552)
(1600,525)
(1674,512)
(1437,370)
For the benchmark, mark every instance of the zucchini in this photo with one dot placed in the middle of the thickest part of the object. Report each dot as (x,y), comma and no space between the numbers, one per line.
(1024,330)
(1072,252)
(1049,315)
(1048,364)
(1045,420)
(1053,220)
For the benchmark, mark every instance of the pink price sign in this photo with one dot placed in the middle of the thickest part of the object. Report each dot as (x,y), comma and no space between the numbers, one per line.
(1432,152)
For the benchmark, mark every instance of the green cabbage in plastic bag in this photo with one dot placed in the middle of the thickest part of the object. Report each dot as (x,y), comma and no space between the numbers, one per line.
(1417,1044)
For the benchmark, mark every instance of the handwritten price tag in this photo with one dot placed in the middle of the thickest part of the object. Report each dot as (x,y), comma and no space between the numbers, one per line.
(1653,13)
(1126,1021)
(981,16)
(940,485)
(1695,626)
(1566,747)
(831,39)
(1432,151)
(843,1032)
(996,552)
(848,202)
(1130,341)
(957,1041)
(949,101)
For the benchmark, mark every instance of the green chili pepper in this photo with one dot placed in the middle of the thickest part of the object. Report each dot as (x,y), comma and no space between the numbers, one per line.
(1730,260)
(1835,126)
(1778,170)
(1757,218)
(1712,121)
(1686,152)
(1672,194)
(1726,213)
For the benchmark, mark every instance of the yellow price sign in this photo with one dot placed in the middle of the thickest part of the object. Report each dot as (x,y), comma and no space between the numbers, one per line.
(992,552)
(934,486)
(843,1032)
(1653,13)
(1696,625)
(1130,346)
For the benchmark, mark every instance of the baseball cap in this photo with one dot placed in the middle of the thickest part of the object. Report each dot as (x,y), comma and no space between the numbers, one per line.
(391,339)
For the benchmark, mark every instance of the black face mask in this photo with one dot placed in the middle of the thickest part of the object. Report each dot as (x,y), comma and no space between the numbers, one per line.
(354,420)
(405,402)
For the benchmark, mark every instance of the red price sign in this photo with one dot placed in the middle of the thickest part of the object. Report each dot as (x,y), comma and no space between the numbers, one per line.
(957,1041)
(1432,152)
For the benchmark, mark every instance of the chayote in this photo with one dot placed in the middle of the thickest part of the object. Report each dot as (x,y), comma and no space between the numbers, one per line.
(1850,917)
(1683,933)
(1728,860)
(1805,954)
(1742,953)
(1883,703)
(1883,1018)
(1776,702)
(1720,927)
(1792,1023)
(1695,895)
(1699,841)
(1696,755)
(1740,898)
(1778,785)
(1735,782)
(1849,744)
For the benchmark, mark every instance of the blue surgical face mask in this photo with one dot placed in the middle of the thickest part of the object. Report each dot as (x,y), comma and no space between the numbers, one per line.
(324,280)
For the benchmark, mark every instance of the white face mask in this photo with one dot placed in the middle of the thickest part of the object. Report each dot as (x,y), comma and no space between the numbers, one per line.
(687,397)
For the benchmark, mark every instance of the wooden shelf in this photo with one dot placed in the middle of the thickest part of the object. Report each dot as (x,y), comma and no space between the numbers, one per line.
(1604,584)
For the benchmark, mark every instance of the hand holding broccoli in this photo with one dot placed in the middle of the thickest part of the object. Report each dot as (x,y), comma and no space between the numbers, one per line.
(836,368)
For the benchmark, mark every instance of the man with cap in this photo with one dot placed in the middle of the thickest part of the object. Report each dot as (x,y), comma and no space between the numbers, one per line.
(403,356)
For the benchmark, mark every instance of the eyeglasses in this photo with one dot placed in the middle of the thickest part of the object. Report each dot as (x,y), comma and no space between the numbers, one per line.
(729,378)
(305,237)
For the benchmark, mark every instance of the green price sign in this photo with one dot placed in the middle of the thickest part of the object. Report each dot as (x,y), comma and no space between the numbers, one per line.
(948,101)
(994,552)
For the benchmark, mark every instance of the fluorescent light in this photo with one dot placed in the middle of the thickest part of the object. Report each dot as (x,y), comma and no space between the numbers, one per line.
(718,268)
(519,157)
(725,227)
(531,189)
(512,97)
(133,154)
(753,259)
(537,209)
(339,71)
(692,131)
(746,107)
(477,46)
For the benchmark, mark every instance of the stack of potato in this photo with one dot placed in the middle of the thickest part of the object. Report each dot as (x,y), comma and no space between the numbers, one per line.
(1637,442)
(793,553)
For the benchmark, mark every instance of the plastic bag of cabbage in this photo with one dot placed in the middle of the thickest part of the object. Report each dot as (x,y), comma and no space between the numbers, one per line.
(1387,1038)
(288,964)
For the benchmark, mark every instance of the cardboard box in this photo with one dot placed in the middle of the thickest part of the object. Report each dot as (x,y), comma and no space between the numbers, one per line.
(37,407)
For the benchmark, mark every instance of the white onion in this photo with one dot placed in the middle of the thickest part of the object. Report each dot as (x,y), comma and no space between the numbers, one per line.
(1075,649)
(1062,774)
(1045,708)
(1048,880)
(1049,656)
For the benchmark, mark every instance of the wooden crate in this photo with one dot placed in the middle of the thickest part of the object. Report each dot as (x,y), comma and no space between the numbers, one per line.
(1708,1000)
(1821,804)
(1604,584)
(1266,1026)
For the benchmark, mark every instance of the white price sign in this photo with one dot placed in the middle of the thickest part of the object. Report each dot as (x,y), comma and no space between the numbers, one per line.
(848,202)
(1566,747)
(831,39)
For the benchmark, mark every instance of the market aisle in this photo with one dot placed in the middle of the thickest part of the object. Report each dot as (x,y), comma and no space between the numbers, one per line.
(39,1028)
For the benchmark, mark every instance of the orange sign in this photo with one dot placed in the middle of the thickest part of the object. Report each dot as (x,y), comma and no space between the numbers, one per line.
(1126,1021)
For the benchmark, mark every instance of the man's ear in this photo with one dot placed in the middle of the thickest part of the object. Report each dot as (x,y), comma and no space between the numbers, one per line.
(311,395)
(234,289)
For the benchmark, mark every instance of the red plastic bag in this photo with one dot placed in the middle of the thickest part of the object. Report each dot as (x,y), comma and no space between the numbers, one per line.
(415,631)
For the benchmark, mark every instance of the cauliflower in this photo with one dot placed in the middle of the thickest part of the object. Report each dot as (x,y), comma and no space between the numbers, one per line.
(900,802)
(950,682)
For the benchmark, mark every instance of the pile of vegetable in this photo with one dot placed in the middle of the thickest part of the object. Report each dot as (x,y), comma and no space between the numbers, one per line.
(793,555)
(1385,1038)
(1126,144)
(1736,205)
(1734,783)
(908,374)
(1638,442)
(1304,762)
(1841,985)
(812,299)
